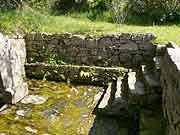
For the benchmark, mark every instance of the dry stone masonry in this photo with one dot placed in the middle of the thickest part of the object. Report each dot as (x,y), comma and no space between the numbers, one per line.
(140,77)
(170,81)
(108,50)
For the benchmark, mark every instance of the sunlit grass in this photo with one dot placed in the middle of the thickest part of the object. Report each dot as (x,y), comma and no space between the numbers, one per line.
(30,20)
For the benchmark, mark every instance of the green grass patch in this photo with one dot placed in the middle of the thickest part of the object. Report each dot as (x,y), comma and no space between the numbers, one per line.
(29,20)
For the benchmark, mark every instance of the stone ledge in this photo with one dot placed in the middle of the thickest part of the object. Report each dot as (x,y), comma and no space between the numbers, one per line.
(74,73)
(121,36)
(118,49)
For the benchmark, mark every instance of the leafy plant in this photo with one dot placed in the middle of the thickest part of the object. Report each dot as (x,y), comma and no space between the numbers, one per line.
(154,10)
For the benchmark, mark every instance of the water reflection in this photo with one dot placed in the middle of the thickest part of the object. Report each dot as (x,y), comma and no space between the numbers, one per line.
(108,125)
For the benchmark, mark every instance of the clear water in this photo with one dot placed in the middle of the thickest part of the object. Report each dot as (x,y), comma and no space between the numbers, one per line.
(68,111)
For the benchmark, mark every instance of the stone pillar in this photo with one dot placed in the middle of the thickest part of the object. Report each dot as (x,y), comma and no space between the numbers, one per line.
(12,59)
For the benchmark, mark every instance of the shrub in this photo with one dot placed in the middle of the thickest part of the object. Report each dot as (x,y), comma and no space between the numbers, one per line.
(158,10)
(64,6)
(10,4)
(98,10)
(154,10)
(119,10)
(17,4)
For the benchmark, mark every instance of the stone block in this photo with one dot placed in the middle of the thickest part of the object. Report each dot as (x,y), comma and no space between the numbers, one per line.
(12,60)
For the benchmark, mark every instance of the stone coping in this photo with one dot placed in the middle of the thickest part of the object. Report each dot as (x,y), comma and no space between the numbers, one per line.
(79,66)
(74,73)
(122,36)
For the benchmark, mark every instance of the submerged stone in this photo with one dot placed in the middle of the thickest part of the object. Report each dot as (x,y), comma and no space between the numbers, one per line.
(34,99)
(51,114)
(60,115)
(80,102)
(21,113)
(29,129)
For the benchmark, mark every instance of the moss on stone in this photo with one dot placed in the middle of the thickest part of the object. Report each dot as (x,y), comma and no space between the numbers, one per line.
(67,116)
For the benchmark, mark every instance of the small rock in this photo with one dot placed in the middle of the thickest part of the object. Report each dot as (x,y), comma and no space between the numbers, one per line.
(90,90)
(80,102)
(51,114)
(3,107)
(29,129)
(75,90)
(4,134)
(21,113)
(34,99)
(81,131)
(85,93)
(16,118)
(67,123)
(54,87)
(85,116)
(68,95)
(34,88)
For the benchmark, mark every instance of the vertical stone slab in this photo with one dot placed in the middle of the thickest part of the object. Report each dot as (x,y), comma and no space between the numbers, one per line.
(12,59)
(113,103)
(170,82)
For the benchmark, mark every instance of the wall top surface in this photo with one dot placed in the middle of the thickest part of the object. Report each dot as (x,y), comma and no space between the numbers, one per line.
(175,56)
(122,36)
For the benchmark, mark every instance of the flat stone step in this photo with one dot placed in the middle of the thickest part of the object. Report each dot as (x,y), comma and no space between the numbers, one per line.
(107,96)
(112,102)
(136,87)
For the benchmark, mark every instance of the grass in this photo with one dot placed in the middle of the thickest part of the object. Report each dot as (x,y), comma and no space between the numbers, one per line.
(30,20)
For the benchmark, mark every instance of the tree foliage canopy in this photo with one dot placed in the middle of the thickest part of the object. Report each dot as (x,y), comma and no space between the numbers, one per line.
(158,10)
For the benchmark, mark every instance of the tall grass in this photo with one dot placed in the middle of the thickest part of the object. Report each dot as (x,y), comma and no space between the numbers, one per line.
(30,20)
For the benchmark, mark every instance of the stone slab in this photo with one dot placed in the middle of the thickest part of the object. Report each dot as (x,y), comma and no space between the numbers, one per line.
(12,72)
(175,56)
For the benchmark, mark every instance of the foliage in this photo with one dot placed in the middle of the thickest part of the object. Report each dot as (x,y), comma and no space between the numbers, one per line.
(119,9)
(10,4)
(156,10)
(98,10)
(29,20)
(98,5)
(160,10)
(26,20)
(66,6)
(19,4)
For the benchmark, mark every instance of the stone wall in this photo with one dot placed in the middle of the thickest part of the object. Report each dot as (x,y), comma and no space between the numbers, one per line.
(124,49)
(96,59)
(56,56)
(170,81)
